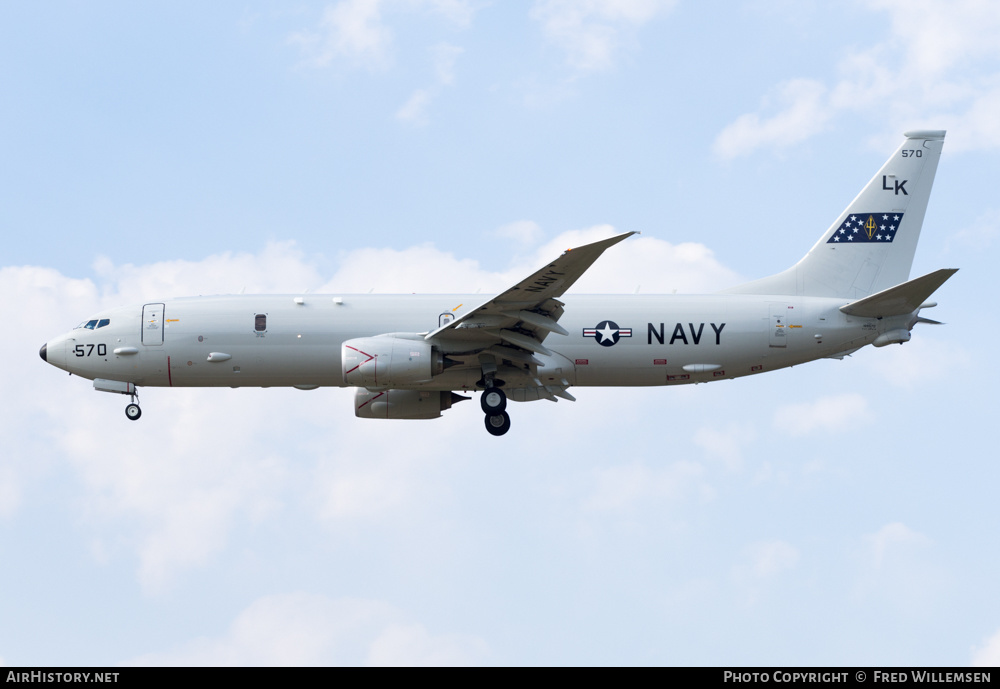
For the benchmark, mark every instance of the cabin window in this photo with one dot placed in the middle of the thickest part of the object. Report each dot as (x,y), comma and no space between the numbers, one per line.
(260,322)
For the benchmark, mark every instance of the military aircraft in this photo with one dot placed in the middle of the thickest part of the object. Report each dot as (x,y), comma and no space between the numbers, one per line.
(407,355)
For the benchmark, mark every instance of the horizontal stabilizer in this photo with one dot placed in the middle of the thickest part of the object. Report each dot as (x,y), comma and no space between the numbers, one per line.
(901,299)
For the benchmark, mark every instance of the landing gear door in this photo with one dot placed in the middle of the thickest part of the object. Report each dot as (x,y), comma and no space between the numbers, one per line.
(152,324)
(778,326)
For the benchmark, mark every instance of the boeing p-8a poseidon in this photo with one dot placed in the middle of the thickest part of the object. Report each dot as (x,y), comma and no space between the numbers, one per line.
(407,355)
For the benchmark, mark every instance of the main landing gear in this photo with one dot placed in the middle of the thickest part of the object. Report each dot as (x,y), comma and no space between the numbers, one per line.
(132,411)
(494,403)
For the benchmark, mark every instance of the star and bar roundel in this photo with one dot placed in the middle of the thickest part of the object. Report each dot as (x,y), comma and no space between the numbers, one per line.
(607,333)
(862,228)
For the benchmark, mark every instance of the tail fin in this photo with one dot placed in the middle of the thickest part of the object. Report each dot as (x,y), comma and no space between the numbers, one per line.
(871,245)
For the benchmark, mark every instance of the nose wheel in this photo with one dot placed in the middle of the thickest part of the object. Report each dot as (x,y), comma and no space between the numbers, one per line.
(132,411)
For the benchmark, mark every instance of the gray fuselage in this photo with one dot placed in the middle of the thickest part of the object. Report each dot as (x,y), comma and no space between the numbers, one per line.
(650,340)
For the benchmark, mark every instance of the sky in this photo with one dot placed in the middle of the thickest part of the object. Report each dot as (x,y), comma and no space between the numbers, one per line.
(837,513)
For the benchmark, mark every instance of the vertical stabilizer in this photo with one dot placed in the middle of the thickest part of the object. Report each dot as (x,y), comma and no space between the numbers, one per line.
(870,246)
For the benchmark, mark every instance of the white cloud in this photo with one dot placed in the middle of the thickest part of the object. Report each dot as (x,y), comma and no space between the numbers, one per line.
(761,564)
(524,232)
(10,492)
(825,414)
(891,539)
(626,486)
(417,269)
(652,265)
(941,36)
(988,653)
(725,444)
(279,268)
(936,68)
(802,112)
(444,57)
(307,629)
(458,12)
(918,362)
(981,234)
(769,558)
(356,33)
(414,110)
(180,494)
(592,32)
(351,30)
(899,567)
(368,478)
(411,645)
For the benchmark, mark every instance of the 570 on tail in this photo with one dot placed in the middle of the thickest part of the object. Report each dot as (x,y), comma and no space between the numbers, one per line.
(408,355)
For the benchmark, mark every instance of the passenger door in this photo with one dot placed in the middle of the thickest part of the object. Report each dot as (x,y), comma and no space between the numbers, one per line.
(152,324)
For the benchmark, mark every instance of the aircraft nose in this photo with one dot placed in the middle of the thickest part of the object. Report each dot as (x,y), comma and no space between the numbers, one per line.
(53,352)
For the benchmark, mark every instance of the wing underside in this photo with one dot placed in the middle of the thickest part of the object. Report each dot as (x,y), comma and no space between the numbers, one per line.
(505,336)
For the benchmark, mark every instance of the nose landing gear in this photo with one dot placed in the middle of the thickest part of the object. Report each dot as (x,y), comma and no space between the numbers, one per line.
(132,411)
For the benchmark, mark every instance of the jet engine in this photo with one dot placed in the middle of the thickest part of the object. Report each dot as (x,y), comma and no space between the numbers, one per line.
(385,361)
(402,404)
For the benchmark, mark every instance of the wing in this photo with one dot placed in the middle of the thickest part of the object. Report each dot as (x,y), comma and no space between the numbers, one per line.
(512,326)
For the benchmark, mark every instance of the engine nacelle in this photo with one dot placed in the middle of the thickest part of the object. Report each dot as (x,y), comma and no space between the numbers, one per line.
(385,361)
(402,404)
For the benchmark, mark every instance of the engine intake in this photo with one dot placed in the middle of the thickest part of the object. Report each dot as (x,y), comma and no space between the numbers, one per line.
(386,361)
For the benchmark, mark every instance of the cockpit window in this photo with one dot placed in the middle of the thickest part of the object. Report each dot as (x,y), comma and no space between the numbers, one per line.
(94,324)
